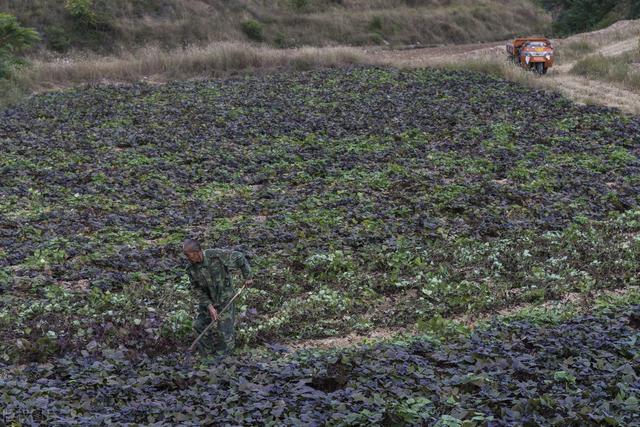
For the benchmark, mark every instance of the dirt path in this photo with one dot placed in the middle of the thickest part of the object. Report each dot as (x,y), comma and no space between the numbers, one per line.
(588,91)
(619,38)
(619,48)
(425,57)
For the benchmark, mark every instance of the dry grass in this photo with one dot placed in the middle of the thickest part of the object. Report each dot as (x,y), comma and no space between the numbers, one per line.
(496,67)
(617,32)
(574,50)
(156,64)
(453,22)
(618,69)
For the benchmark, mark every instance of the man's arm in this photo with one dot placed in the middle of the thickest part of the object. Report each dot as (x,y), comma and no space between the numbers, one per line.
(235,259)
(240,261)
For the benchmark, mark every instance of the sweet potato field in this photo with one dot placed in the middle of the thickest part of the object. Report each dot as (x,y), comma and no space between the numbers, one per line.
(365,198)
(581,372)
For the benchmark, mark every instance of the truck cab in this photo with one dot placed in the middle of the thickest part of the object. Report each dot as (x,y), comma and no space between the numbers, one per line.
(534,53)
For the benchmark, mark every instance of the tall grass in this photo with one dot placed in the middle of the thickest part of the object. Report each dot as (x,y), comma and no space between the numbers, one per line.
(158,64)
(573,50)
(618,69)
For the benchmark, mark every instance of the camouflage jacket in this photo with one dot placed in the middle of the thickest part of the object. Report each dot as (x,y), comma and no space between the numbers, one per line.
(211,278)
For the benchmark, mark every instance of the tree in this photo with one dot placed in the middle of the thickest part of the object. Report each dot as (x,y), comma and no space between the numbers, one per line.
(13,39)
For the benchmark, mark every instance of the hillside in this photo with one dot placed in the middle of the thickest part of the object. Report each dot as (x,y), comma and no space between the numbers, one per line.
(105,26)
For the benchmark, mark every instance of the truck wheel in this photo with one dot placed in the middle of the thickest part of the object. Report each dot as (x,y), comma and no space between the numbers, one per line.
(544,70)
(540,68)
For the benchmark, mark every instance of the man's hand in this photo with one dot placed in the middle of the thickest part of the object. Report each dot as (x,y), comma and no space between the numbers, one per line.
(213,312)
(248,282)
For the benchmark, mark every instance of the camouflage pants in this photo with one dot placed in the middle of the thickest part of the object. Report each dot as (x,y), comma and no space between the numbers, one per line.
(220,339)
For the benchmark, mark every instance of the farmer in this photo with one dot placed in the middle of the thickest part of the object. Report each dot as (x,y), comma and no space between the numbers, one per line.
(210,277)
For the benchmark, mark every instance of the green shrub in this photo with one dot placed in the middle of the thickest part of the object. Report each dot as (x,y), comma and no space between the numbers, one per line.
(82,12)
(594,66)
(299,4)
(253,30)
(376,38)
(58,39)
(375,24)
(281,40)
(13,39)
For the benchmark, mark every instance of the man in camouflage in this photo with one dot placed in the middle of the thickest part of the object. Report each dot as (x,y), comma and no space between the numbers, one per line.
(210,276)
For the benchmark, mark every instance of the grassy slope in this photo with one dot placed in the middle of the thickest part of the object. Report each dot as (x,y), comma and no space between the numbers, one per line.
(622,69)
(176,22)
(360,209)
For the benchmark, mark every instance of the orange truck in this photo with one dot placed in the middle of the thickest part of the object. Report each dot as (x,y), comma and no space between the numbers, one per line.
(533,53)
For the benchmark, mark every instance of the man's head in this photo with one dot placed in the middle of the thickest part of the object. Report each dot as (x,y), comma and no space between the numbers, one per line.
(193,251)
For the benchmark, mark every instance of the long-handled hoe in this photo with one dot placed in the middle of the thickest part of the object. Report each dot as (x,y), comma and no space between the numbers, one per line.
(213,323)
